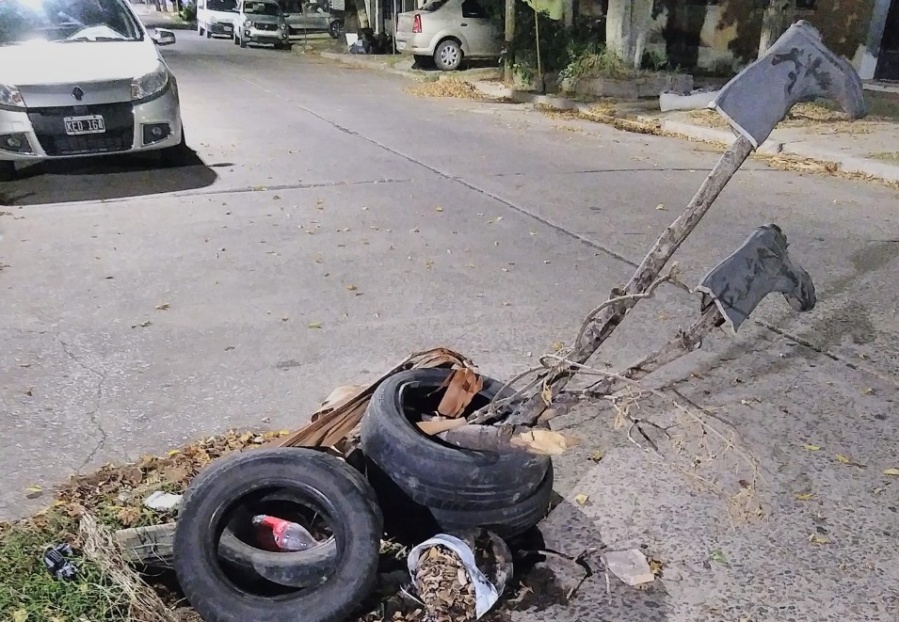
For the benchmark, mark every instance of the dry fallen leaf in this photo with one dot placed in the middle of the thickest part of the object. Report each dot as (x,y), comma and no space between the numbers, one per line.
(314,325)
(351,288)
(461,387)
(547,394)
(812,447)
(660,207)
(597,456)
(893,472)
(806,496)
(843,459)
(868,391)
(19,615)
(438,209)
(816,539)
(33,492)
(163,307)
(581,499)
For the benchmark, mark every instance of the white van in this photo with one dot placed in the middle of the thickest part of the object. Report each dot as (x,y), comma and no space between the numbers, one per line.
(216,17)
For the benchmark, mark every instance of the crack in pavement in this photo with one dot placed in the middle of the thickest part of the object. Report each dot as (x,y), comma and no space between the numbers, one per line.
(447,176)
(92,414)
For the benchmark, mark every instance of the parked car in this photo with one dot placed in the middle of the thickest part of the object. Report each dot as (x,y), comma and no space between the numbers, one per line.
(304,17)
(82,82)
(261,21)
(448,31)
(216,17)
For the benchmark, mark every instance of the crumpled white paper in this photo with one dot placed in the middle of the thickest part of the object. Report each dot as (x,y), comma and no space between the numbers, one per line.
(485,592)
(162,501)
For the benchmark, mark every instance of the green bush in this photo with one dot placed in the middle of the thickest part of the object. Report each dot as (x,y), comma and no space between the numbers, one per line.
(189,12)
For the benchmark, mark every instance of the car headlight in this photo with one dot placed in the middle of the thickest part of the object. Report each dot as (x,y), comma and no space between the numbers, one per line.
(11,97)
(150,84)
(248,23)
(283,26)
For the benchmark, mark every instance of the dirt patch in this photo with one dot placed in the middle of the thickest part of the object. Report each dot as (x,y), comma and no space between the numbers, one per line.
(886,156)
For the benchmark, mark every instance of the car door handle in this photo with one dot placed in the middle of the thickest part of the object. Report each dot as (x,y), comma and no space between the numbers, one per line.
(463,24)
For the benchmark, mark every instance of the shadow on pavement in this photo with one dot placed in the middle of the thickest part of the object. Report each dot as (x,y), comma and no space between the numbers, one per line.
(104,178)
(557,593)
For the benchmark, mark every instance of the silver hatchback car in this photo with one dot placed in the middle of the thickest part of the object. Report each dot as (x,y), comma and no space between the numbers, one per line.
(83,78)
(261,21)
(448,31)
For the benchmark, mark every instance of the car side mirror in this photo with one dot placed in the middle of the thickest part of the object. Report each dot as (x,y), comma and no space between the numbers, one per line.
(163,36)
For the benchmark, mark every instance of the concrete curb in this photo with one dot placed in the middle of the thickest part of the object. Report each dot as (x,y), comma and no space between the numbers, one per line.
(364,61)
(710,134)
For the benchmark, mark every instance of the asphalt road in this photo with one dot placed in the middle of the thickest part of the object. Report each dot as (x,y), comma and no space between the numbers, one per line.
(332,223)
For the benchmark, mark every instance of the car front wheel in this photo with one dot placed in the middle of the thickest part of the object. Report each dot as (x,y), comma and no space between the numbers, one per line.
(236,39)
(448,55)
(243,42)
(334,29)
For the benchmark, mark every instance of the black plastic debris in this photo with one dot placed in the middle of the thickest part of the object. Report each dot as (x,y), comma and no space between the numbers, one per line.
(759,267)
(57,564)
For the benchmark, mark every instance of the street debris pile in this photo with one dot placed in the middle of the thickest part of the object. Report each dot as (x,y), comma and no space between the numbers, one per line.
(446,87)
(449,465)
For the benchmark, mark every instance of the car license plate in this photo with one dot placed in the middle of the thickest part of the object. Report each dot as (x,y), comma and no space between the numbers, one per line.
(91,124)
(401,45)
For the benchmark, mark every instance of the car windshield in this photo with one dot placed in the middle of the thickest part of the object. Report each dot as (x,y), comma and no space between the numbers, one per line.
(225,6)
(291,6)
(261,8)
(23,21)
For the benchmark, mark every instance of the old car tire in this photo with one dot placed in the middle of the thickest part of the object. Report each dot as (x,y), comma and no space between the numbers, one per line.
(506,522)
(236,39)
(329,483)
(200,30)
(448,55)
(436,474)
(288,46)
(334,29)
(208,35)
(295,569)
(243,42)
(7,171)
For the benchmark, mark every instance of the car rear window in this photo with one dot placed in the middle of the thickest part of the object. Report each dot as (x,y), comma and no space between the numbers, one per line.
(432,5)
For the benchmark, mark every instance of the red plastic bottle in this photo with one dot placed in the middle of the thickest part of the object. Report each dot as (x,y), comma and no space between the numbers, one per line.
(277,534)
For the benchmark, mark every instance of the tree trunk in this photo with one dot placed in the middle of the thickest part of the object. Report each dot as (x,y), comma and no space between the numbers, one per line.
(778,16)
(627,25)
(509,39)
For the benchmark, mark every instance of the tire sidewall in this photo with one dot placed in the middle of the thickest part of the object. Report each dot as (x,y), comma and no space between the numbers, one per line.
(437,474)
(334,484)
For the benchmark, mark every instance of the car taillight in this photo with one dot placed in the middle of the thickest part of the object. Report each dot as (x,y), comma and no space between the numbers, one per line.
(416,23)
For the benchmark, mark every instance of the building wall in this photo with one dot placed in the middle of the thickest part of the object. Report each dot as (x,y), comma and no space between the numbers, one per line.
(735,25)
(724,34)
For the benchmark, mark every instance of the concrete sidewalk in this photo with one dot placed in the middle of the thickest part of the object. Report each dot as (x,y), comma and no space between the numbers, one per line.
(866,147)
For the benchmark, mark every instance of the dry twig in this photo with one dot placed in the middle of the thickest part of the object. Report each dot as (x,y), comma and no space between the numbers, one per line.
(98,545)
